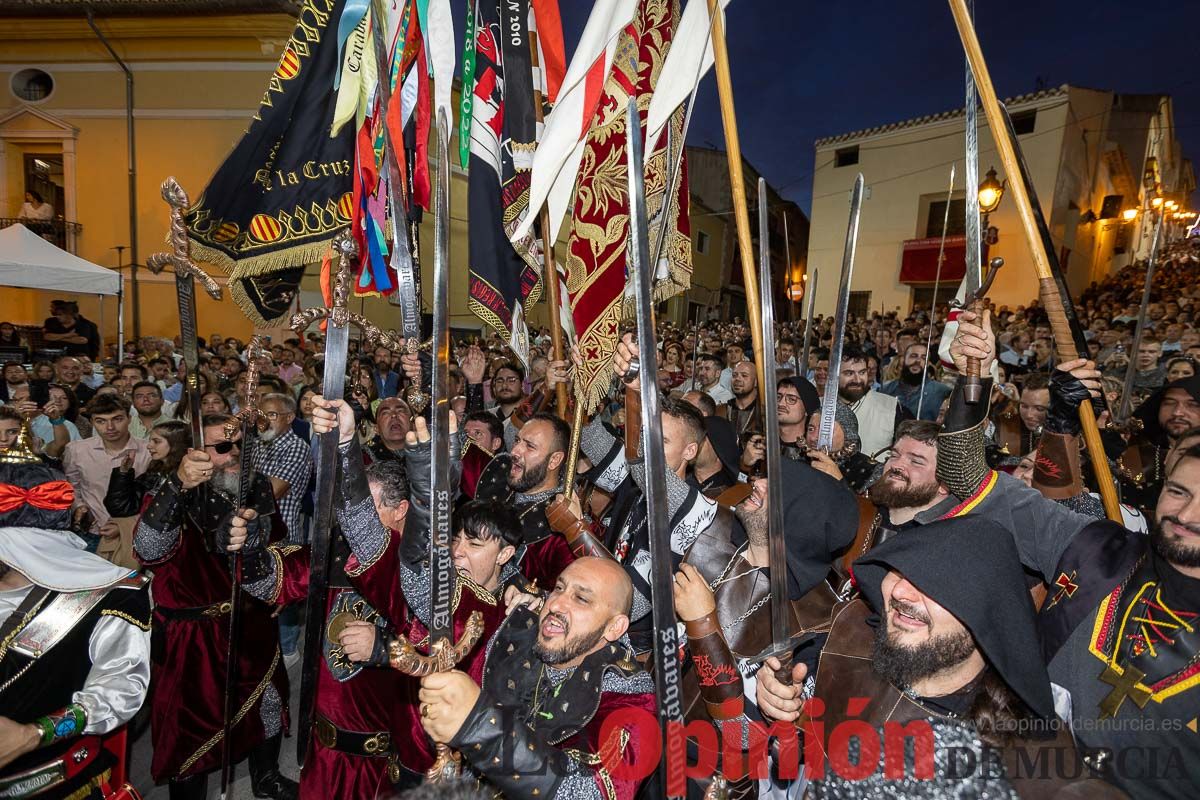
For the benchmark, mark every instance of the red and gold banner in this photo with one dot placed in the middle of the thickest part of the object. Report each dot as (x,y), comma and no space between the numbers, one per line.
(596,250)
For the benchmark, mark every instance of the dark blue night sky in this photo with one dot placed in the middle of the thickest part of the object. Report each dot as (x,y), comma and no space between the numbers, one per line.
(804,70)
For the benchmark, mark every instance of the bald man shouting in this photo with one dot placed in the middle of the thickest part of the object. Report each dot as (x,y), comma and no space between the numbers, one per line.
(536,729)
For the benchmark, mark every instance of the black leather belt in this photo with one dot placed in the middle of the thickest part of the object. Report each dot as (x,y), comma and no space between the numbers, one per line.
(196,612)
(376,744)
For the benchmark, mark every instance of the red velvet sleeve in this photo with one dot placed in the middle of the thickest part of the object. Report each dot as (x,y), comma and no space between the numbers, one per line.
(379,581)
(291,572)
(630,740)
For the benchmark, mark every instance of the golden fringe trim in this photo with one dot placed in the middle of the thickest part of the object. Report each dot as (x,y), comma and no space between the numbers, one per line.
(298,256)
(245,709)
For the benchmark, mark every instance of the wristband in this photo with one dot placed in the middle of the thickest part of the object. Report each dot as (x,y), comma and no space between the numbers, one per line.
(63,724)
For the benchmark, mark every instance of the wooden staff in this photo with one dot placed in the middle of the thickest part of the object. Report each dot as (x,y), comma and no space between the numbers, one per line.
(1041,259)
(549,271)
(737,188)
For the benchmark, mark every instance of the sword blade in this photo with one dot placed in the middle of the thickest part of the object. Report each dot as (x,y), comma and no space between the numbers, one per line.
(776,551)
(974,274)
(1131,369)
(829,400)
(1048,245)
(185,293)
(666,638)
(333,386)
(810,289)
(401,258)
(441,626)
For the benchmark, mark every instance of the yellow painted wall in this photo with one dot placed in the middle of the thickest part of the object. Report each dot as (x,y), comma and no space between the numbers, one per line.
(900,168)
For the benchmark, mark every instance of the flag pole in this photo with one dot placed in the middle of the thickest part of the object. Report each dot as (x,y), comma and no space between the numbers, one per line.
(549,269)
(737,190)
(1054,303)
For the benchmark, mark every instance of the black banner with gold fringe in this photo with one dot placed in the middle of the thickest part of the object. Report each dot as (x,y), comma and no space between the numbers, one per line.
(285,190)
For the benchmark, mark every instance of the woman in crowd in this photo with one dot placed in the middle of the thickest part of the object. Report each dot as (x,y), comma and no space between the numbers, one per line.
(168,444)
(43,371)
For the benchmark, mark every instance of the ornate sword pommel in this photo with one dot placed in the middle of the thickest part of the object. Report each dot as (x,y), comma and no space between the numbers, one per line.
(338,313)
(180,258)
(249,413)
(403,655)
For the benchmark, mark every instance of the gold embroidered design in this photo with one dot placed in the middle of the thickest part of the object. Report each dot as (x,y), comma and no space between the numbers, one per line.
(137,623)
(245,709)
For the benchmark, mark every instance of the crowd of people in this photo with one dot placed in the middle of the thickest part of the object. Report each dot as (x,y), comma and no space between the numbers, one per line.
(949,563)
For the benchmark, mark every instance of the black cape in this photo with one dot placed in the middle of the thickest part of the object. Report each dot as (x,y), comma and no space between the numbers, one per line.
(969,565)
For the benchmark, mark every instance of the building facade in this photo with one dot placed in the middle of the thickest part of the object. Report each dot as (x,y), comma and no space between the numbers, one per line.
(1088,152)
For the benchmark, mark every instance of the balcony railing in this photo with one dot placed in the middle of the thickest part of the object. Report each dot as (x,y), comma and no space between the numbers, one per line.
(59,232)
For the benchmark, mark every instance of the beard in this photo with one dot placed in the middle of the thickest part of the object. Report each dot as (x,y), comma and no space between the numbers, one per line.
(903,665)
(900,493)
(570,648)
(1171,547)
(755,523)
(268,436)
(531,476)
(226,480)
(852,392)
(912,375)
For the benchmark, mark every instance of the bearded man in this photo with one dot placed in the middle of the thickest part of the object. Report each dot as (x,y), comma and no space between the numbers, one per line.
(744,411)
(914,366)
(1115,628)
(555,671)
(944,633)
(1165,416)
(527,478)
(183,535)
(878,414)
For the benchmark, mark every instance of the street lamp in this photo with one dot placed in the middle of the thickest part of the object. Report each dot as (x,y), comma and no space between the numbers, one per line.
(990,192)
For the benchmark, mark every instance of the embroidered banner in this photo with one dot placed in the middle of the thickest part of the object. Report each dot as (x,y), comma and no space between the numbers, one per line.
(285,191)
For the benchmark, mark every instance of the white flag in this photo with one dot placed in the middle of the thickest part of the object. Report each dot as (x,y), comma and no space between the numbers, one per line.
(689,58)
(556,162)
(440,49)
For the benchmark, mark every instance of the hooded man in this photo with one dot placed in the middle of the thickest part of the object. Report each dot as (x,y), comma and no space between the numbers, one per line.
(1166,415)
(718,464)
(945,633)
(75,633)
(796,399)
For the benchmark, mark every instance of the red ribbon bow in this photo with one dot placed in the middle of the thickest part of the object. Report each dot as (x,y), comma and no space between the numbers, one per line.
(51,496)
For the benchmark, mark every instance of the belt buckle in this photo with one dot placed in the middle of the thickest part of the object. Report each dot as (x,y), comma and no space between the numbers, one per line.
(326,733)
(218,610)
(377,743)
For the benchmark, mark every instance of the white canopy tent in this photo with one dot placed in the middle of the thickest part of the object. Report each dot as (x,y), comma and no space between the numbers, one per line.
(28,261)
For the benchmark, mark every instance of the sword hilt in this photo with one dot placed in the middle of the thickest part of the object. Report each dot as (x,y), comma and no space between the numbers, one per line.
(442,656)
(180,258)
(973,386)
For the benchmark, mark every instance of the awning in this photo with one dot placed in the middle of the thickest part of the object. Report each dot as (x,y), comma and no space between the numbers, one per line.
(919,261)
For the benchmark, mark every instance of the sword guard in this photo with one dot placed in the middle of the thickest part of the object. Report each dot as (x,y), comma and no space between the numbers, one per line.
(417,400)
(447,765)
(180,259)
(442,657)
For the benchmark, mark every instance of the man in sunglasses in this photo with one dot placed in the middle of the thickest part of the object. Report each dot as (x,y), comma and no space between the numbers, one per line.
(184,535)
